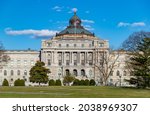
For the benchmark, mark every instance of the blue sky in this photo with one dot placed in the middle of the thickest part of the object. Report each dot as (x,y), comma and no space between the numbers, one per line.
(24,23)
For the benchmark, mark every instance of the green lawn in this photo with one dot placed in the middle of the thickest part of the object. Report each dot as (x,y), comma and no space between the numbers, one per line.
(73,92)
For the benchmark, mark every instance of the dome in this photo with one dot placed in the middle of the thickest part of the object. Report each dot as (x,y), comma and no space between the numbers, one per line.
(75,20)
(75,27)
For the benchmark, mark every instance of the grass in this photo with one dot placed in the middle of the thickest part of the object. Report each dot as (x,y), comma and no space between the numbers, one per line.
(73,92)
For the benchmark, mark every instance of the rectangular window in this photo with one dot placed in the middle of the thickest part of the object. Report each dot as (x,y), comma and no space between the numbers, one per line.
(82,62)
(90,62)
(49,44)
(111,73)
(48,62)
(67,62)
(101,44)
(59,62)
(75,62)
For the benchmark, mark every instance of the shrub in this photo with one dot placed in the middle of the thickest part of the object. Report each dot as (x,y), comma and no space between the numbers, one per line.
(76,82)
(92,82)
(5,83)
(87,82)
(19,82)
(58,82)
(68,79)
(51,82)
(82,82)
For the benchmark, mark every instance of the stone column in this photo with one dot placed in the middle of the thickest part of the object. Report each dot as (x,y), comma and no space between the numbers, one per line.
(62,57)
(78,57)
(71,58)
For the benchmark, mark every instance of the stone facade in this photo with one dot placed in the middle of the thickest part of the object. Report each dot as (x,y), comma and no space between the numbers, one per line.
(74,54)
(74,50)
(19,65)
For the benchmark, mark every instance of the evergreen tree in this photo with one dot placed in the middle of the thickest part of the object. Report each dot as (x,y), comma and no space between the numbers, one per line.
(140,64)
(38,73)
(5,83)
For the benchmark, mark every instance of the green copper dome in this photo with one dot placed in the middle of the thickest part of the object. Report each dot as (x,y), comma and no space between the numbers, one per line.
(75,27)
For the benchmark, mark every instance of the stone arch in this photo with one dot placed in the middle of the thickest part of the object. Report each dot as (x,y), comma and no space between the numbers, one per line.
(75,72)
(67,71)
(82,72)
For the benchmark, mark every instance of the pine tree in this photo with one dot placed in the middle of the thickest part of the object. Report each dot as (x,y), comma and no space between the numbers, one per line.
(38,73)
(140,63)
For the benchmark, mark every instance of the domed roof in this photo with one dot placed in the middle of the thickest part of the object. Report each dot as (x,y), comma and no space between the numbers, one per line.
(74,20)
(75,27)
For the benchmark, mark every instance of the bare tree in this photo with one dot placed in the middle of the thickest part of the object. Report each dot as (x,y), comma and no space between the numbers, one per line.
(131,43)
(4,58)
(106,62)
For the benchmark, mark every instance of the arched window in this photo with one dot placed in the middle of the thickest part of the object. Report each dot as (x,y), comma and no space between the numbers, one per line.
(11,80)
(67,72)
(82,72)
(25,72)
(11,72)
(124,73)
(18,72)
(75,72)
(5,73)
(118,73)
(111,73)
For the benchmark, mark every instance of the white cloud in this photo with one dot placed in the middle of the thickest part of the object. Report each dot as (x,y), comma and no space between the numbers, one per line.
(33,33)
(123,24)
(134,24)
(58,8)
(74,9)
(138,24)
(87,21)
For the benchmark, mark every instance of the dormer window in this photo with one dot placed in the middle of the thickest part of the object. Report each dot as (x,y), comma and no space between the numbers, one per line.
(49,44)
(59,45)
(82,45)
(67,45)
(90,45)
(101,44)
(75,45)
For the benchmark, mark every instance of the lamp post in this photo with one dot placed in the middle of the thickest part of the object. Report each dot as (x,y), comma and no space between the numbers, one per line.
(120,80)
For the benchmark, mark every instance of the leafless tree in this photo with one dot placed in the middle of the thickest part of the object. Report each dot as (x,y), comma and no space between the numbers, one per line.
(106,62)
(131,43)
(4,58)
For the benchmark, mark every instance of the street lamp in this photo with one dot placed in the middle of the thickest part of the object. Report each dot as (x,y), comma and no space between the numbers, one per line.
(120,80)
